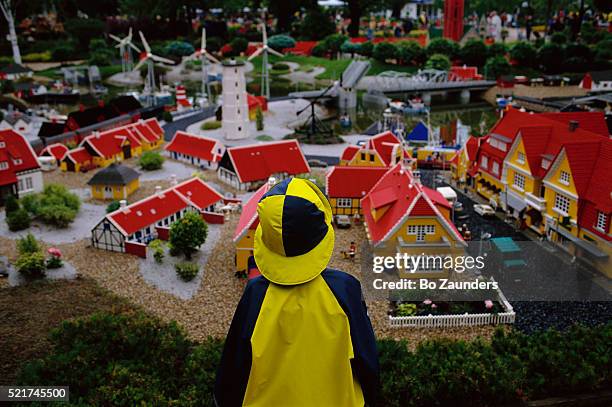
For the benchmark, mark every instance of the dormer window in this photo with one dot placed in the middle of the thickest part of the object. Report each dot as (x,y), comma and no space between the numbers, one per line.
(3,165)
(520,158)
(2,144)
(18,161)
(545,164)
(564,178)
(602,221)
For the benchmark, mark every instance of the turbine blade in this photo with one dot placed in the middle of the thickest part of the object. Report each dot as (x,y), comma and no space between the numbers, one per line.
(114,37)
(163,60)
(275,52)
(144,42)
(203,43)
(255,54)
(135,48)
(139,64)
(211,58)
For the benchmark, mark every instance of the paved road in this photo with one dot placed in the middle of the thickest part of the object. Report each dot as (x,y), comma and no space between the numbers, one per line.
(182,124)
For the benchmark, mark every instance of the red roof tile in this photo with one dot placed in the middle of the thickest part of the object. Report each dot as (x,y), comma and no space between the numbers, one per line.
(195,146)
(199,192)
(404,198)
(259,161)
(248,217)
(595,122)
(18,148)
(352,182)
(384,144)
(154,126)
(78,155)
(349,152)
(106,144)
(57,150)
(147,212)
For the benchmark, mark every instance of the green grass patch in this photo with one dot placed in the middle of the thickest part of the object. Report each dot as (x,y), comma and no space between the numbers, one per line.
(264,137)
(211,125)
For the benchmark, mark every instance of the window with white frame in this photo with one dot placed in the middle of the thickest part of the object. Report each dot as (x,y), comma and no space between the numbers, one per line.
(20,185)
(564,177)
(2,144)
(602,220)
(520,158)
(519,181)
(484,162)
(562,203)
(17,161)
(495,167)
(29,184)
(344,202)
(3,165)
(421,230)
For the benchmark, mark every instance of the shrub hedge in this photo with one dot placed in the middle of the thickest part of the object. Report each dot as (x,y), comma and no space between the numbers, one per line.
(117,359)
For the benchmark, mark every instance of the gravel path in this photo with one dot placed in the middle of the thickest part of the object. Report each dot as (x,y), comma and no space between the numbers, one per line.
(66,272)
(164,277)
(89,215)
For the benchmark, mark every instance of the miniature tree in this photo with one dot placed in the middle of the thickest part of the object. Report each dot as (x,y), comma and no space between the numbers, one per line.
(151,161)
(113,206)
(259,119)
(11,204)
(27,245)
(439,62)
(31,261)
(18,220)
(188,234)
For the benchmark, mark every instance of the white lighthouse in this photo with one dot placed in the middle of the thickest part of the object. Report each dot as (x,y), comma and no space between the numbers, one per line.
(235,107)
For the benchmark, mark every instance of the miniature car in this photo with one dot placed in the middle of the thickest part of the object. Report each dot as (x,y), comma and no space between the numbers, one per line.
(484,210)
(317,163)
(457,206)
(343,221)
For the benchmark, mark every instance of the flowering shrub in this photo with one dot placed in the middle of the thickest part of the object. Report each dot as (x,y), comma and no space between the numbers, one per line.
(55,261)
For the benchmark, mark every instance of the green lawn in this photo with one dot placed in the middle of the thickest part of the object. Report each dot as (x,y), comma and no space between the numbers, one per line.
(333,67)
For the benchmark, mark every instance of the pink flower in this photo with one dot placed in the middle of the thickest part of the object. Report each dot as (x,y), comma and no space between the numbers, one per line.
(488,304)
(427,302)
(55,252)
(434,306)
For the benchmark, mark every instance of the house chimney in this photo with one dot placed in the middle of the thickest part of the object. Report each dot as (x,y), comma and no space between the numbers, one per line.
(173,181)
(573,125)
(158,190)
(123,205)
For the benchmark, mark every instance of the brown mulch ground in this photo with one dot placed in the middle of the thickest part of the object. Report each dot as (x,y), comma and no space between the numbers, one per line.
(29,312)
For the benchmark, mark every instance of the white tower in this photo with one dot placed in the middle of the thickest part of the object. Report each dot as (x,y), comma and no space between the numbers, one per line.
(235,108)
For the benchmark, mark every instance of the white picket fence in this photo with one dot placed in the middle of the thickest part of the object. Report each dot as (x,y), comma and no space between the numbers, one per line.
(444,321)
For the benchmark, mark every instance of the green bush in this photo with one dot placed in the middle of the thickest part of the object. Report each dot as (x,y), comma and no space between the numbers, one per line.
(63,52)
(188,233)
(54,262)
(111,359)
(280,42)
(496,49)
(384,51)
(11,204)
(443,46)
(101,57)
(439,62)
(37,57)
(113,206)
(410,53)
(334,42)
(550,57)
(239,45)
(558,38)
(54,206)
(211,125)
(496,67)
(523,53)
(18,220)
(316,25)
(186,271)
(151,160)
(281,66)
(158,250)
(350,48)
(474,53)
(31,265)
(319,50)
(167,116)
(178,49)
(28,245)
(366,49)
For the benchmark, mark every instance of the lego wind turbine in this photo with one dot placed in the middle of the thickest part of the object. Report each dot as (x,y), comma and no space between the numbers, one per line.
(264,50)
(149,58)
(125,46)
(204,56)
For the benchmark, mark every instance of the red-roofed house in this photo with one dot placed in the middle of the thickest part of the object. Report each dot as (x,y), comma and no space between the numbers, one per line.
(140,222)
(247,167)
(464,160)
(381,150)
(244,236)
(57,151)
(346,185)
(578,201)
(196,150)
(20,173)
(77,160)
(403,216)
(118,144)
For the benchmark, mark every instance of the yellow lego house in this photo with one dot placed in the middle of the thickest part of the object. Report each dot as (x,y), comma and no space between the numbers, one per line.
(115,182)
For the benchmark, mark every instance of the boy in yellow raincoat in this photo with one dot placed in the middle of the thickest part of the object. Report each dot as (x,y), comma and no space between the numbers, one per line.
(301,335)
